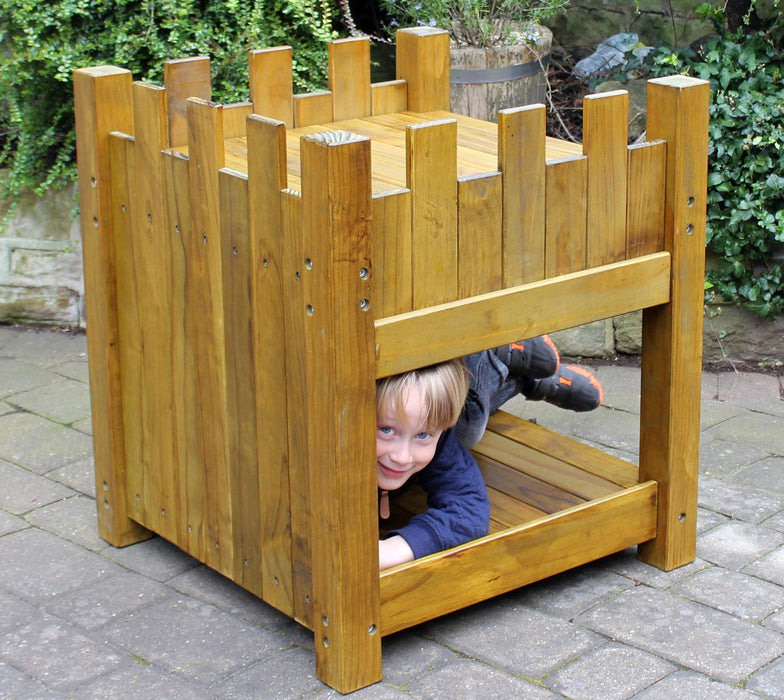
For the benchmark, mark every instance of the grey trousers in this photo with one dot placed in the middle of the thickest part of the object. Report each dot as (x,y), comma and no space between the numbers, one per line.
(490,387)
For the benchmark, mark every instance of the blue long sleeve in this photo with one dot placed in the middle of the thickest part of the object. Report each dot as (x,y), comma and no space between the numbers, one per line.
(458,508)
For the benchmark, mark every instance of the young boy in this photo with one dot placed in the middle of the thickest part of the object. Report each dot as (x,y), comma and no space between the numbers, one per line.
(426,420)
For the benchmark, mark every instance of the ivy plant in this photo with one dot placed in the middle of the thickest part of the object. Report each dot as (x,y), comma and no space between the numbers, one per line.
(43,42)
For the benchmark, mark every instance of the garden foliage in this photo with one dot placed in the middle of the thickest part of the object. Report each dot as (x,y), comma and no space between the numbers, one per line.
(41,44)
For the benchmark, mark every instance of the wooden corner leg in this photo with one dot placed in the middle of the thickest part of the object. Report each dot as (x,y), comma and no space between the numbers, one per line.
(339,341)
(672,333)
(102,98)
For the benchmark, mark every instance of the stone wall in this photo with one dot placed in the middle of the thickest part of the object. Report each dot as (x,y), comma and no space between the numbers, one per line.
(41,262)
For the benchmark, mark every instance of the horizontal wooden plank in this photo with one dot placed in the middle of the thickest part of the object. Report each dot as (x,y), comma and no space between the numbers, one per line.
(407,341)
(442,583)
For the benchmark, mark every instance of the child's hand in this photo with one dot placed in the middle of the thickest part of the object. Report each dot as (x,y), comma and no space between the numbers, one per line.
(393,551)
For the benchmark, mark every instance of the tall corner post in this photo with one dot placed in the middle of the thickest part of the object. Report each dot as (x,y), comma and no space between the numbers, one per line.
(422,60)
(672,333)
(102,102)
(339,339)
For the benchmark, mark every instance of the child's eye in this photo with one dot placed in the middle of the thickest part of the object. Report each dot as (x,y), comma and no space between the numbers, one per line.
(424,436)
(385,430)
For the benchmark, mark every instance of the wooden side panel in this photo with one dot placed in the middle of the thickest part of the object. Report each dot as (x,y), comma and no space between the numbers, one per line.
(672,334)
(521,159)
(184,78)
(312,108)
(349,78)
(392,244)
(468,325)
(340,371)
(565,216)
(422,60)
(480,235)
(155,484)
(645,208)
(501,562)
(271,83)
(266,179)
(102,98)
(234,117)
(240,389)
(431,164)
(205,141)
(388,97)
(606,132)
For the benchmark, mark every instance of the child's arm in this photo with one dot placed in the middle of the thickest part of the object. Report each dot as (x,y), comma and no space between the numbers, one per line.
(393,551)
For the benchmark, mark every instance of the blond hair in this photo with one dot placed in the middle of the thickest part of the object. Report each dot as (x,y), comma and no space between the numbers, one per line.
(444,387)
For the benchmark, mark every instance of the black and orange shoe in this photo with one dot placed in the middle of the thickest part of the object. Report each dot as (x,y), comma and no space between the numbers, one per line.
(572,387)
(535,357)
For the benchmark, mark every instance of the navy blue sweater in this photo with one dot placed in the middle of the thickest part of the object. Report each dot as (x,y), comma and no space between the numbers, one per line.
(458,510)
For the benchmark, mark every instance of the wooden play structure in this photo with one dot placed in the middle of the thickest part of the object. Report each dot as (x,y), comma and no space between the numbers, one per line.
(251,269)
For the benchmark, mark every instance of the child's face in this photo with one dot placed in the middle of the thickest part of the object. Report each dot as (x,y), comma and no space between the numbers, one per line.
(404,444)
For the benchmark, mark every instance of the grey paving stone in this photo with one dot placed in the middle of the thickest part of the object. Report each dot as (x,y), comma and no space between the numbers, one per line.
(775,522)
(84,426)
(10,523)
(74,519)
(765,475)
(627,564)
(156,558)
(720,458)
(209,586)
(64,401)
(572,592)
(707,520)
(44,347)
(736,544)
(408,656)
(56,654)
(22,490)
(735,501)
(742,596)
(534,643)
(776,622)
(17,376)
(753,390)
(6,408)
(692,686)
(79,476)
(137,680)
(108,600)
(27,554)
(770,567)
(769,682)
(714,413)
(192,639)
(40,444)
(686,633)
(76,369)
(288,674)
(611,672)
(763,431)
(15,684)
(15,612)
(621,388)
(473,680)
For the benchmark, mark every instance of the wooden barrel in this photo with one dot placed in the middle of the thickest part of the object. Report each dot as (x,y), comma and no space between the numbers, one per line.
(484,80)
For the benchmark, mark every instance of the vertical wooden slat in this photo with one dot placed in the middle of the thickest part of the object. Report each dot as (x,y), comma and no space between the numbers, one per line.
(297,415)
(266,178)
(340,368)
(672,333)
(312,108)
(271,83)
(431,174)
(205,141)
(183,358)
(388,97)
(234,117)
(480,234)
(605,129)
(349,77)
(521,160)
(184,78)
(645,207)
(102,100)
(392,271)
(565,217)
(422,60)
(152,252)
(238,280)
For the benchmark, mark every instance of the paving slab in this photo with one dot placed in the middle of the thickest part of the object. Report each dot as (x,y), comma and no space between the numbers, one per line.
(769,682)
